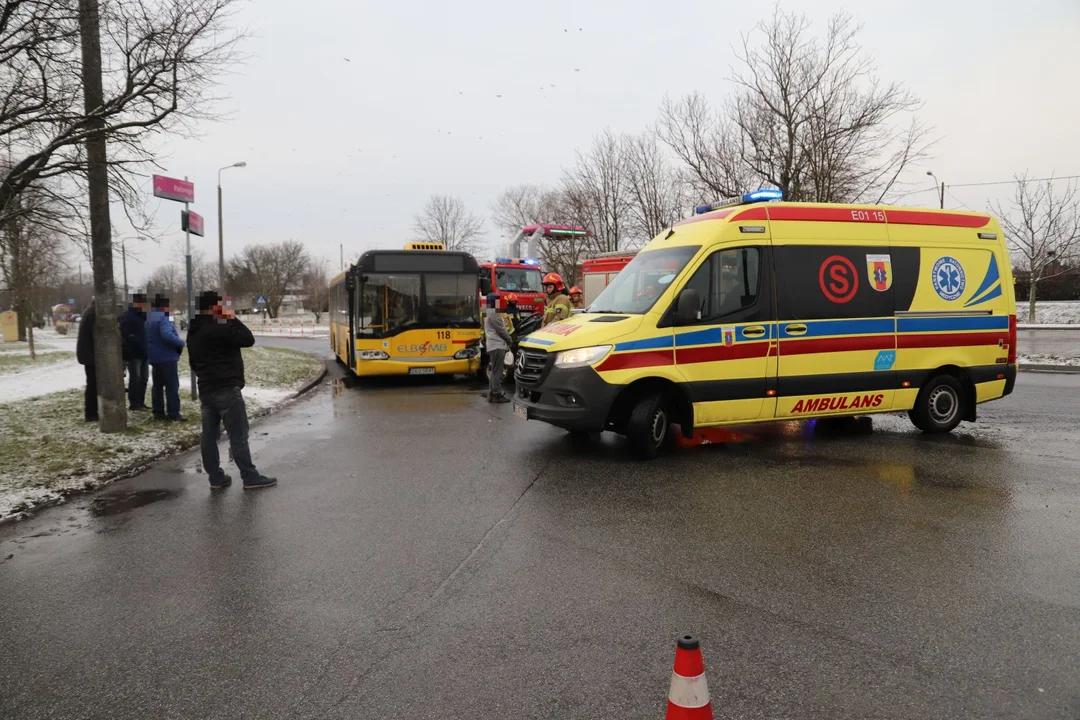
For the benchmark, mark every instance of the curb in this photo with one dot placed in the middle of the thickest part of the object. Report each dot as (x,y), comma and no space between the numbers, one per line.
(1063,369)
(145,463)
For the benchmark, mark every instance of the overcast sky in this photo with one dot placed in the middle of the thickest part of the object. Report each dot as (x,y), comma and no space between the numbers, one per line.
(470,97)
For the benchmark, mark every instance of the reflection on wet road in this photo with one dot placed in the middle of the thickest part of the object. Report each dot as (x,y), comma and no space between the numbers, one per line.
(429,555)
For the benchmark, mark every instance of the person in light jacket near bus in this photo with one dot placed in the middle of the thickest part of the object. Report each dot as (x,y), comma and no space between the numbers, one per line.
(498,343)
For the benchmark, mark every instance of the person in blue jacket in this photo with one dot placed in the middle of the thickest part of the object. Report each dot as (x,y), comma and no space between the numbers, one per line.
(133,332)
(163,346)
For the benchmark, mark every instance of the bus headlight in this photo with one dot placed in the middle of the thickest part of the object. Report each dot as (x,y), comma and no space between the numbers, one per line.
(469,352)
(373,355)
(581,356)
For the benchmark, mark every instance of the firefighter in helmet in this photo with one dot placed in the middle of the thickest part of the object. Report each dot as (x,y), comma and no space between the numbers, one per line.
(510,313)
(557,305)
(577,298)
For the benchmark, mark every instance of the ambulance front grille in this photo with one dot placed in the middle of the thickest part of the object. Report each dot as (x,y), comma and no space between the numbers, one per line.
(530,365)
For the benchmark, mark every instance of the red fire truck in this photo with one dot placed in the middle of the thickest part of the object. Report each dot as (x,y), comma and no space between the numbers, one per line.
(599,270)
(520,276)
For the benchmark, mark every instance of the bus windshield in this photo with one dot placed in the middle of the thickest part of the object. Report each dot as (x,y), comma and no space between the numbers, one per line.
(393,302)
(517,280)
(644,279)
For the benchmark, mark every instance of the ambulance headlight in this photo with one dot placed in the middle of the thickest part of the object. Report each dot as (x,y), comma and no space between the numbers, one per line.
(581,356)
(373,355)
(469,352)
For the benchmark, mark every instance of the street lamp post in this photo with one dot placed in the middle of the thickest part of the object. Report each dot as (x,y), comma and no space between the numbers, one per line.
(221,229)
(931,174)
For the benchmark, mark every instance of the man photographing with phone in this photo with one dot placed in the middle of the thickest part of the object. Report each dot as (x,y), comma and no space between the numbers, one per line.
(214,341)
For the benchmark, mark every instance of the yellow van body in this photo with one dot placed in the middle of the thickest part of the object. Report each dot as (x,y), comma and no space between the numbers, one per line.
(806,310)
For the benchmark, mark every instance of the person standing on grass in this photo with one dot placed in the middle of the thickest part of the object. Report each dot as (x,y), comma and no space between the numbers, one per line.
(215,337)
(163,346)
(84,353)
(133,332)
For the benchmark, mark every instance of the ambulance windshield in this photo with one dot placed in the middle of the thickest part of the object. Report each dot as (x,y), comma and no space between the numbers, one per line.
(644,279)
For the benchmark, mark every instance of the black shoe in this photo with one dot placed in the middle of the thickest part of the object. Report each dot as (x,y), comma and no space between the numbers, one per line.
(220,483)
(159,416)
(260,482)
(499,399)
(176,418)
(91,419)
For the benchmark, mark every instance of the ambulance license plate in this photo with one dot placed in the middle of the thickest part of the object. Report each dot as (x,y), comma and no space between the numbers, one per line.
(521,411)
(422,371)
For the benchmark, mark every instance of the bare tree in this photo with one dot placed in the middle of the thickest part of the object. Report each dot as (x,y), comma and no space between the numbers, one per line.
(159,64)
(31,257)
(659,194)
(446,220)
(601,193)
(707,144)
(272,270)
(810,118)
(1042,226)
(316,283)
(523,204)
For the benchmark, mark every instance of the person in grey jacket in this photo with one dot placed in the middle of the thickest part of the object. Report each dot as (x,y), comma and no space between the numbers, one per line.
(498,342)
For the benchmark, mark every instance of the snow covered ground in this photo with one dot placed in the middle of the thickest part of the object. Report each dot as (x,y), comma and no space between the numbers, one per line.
(1050,313)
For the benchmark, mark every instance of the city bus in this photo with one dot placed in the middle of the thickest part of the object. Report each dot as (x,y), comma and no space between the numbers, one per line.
(407,312)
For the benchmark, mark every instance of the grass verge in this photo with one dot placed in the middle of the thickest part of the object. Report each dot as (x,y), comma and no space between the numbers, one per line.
(48,451)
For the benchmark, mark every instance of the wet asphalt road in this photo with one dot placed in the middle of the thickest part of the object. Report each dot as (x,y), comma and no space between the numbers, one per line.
(429,556)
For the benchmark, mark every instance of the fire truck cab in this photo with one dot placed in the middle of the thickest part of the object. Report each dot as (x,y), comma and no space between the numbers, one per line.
(519,276)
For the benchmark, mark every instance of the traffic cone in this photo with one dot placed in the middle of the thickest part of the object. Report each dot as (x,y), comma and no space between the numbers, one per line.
(688,696)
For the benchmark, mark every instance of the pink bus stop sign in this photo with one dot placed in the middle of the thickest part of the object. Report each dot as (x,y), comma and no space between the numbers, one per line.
(173,189)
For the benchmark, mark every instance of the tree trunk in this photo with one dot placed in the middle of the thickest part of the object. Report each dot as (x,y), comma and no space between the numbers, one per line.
(1031,301)
(110,374)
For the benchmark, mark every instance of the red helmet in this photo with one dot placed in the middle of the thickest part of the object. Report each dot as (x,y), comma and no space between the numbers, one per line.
(553,278)
(575,290)
(510,298)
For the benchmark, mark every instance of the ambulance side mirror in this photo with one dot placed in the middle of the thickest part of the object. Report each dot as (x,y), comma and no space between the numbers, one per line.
(688,307)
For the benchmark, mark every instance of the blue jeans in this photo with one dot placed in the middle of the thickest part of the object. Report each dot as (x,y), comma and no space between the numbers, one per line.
(137,377)
(225,407)
(165,395)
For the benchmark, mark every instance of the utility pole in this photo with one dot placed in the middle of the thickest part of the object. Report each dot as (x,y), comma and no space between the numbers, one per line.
(112,410)
(942,196)
(190,289)
(341,247)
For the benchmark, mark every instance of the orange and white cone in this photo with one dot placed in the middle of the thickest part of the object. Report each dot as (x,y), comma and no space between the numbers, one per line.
(688,696)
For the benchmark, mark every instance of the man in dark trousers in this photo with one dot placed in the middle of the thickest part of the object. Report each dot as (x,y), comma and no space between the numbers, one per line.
(84,353)
(214,340)
(133,332)
(163,346)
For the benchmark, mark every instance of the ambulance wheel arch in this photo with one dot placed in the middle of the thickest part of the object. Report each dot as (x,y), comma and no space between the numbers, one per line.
(946,398)
(634,410)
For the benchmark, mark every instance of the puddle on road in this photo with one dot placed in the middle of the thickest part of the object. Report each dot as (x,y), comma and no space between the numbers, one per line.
(113,504)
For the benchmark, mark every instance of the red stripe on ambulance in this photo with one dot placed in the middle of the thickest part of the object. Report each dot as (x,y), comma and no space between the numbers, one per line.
(646,358)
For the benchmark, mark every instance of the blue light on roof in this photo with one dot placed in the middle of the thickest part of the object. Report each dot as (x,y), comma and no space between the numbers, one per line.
(765,195)
(531,261)
(504,261)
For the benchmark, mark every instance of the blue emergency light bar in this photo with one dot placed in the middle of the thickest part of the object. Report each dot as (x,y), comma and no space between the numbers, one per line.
(517,261)
(766,195)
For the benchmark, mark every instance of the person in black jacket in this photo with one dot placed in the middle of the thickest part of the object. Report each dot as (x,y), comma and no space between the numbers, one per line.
(133,333)
(213,342)
(84,353)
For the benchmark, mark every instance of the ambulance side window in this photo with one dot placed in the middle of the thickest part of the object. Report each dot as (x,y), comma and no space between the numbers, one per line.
(727,282)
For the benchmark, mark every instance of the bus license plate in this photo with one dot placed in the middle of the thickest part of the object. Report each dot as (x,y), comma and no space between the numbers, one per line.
(521,411)
(421,371)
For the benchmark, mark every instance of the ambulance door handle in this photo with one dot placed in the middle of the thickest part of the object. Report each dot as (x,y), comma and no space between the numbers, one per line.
(798,329)
(754,331)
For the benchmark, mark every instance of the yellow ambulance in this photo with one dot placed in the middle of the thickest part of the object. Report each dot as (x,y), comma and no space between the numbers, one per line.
(758,310)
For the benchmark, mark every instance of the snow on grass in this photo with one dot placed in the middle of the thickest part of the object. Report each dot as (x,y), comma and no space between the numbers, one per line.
(1041,359)
(26,364)
(48,451)
(41,380)
(1050,313)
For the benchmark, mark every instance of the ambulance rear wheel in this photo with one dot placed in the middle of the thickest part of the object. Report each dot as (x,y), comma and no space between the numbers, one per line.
(939,406)
(648,431)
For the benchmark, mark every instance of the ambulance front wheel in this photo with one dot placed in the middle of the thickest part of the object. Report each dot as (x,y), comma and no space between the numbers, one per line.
(939,406)
(648,431)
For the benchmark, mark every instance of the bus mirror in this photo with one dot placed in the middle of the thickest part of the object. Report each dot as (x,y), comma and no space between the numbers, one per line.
(688,307)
